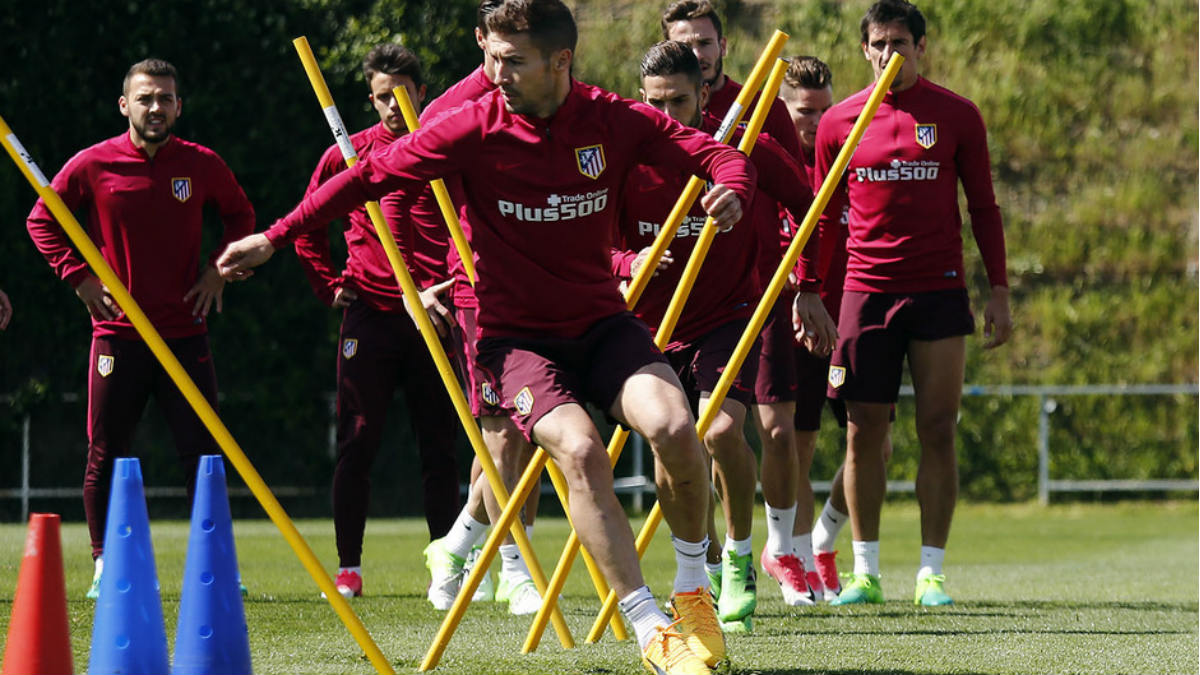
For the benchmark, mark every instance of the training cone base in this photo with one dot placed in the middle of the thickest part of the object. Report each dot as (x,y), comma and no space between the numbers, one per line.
(128,634)
(38,638)
(212,638)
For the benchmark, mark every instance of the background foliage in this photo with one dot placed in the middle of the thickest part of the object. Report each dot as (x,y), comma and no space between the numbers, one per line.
(1091,110)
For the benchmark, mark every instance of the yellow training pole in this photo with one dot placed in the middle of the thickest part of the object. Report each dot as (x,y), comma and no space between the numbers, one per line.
(691,192)
(412,297)
(190,392)
(641,280)
(439,190)
(770,296)
(675,309)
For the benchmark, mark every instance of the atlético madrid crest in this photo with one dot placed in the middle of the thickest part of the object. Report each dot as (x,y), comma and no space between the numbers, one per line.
(926,135)
(590,160)
(349,348)
(181,188)
(104,365)
(837,376)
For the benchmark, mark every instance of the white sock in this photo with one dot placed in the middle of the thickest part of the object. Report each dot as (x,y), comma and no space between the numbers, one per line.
(464,534)
(779,530)
(99,568)
(866,557)
(803,546)
(357,569)
(713,568)
(738,546)
(512,565)
(826,530)
(931,560)
(641,611)
(689,565)
(529,532)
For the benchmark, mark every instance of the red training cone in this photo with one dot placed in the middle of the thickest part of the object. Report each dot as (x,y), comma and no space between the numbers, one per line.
(38,640)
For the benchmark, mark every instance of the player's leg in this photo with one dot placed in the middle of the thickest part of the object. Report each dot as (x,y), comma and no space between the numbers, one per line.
(192,438)
(366,377)
(865,373)
(512,452)
(937,370)
(119,384)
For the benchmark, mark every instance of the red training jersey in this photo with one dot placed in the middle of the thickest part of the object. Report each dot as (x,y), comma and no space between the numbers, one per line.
(905,229)
(541,196)
(145,216)
(470,88)
(831,233)
(778,124)
(726,287)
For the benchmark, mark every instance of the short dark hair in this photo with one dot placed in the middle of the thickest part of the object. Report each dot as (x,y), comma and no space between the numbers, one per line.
(392,59)
(671,57)
(486,7)
(887,11)
(807,72)
(687,10)
(548,22)
(153,68)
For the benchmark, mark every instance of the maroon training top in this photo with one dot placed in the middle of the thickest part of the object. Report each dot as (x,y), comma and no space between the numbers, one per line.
(905,229)
(727,286)
(145,216)
(541,196)
(778,124)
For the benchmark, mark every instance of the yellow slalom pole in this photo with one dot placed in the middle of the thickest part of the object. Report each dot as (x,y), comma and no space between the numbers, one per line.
(439,190)
(194,398)
(770,296)
(634,293)
(412,297)
(675,309)
(691,192)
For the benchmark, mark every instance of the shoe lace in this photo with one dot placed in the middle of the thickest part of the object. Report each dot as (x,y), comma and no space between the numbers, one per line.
(700,620)
(933,580)
(676,653)
(793,571)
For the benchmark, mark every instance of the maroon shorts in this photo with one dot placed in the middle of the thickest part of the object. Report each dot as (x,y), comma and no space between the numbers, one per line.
(485,402)
(811,374)
(699,364)
(875,330)
(776,378)
(532,376)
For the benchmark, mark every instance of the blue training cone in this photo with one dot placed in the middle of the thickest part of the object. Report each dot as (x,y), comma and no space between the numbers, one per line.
(212,638)
(128,634)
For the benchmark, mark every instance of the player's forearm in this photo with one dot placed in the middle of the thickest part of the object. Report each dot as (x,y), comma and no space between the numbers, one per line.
(337,197)
(989,236)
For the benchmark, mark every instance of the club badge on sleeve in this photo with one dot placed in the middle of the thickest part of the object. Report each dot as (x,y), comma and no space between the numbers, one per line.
(349,348)
(926,135)
(488,394)
(181,188)
(104,365)
(590,160)
(837,376)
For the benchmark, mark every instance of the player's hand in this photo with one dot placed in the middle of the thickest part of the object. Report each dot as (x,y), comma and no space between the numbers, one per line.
(96,297)
(343,297)
(723,205)
(439,314)
(5,311)
(663,263)
(792,284)
(813,325)
(207,291)
(238,259)
(997,320)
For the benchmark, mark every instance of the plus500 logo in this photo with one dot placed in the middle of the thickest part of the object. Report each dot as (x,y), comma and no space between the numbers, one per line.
(567,207)
(898,171)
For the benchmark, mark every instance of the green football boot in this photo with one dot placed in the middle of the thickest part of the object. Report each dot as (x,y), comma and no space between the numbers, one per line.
(739,590)
(863,589)
(931,592)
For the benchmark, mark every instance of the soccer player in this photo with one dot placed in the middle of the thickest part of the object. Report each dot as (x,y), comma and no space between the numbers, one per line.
(379,347)
(697,24)
(720,303)
(543,161)
(905,296)
(143,193)
(451,558)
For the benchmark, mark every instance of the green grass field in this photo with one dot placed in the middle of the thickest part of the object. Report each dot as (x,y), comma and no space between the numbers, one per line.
(1065,589)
